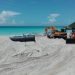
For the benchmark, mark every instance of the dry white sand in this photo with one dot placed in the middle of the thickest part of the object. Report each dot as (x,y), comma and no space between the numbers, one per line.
(45,57)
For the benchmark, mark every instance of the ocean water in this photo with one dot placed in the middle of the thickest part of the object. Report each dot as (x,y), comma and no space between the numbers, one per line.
(20,30)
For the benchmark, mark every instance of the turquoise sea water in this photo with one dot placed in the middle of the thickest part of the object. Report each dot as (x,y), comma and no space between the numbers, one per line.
(19,30)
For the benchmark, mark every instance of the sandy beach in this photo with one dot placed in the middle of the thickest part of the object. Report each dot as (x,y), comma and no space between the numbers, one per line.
(43,57)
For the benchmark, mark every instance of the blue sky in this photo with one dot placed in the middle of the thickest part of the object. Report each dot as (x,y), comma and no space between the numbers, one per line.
(37,12)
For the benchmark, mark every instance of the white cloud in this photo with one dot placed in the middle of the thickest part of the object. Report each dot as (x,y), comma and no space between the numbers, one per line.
(4,15)
(52,17)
